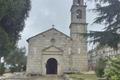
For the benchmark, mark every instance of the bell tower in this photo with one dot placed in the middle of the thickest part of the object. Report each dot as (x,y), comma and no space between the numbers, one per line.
(78,12)
(79,45)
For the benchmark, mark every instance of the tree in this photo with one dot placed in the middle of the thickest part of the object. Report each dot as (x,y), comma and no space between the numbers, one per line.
(4,44)
(2,69)
(17,60)
(112,71)
(13,14)
(108,15)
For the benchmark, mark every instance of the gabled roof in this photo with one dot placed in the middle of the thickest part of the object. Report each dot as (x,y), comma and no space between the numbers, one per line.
(47,31)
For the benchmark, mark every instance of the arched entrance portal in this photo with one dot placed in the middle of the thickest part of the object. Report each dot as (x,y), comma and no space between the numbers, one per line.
(51,66)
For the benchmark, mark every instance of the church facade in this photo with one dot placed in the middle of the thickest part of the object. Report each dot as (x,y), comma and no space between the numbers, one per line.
(53,52)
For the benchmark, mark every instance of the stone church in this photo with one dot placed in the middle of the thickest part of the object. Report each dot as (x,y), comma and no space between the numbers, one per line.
(53,52)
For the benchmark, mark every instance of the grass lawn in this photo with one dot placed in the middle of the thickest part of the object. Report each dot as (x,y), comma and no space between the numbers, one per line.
(83,76)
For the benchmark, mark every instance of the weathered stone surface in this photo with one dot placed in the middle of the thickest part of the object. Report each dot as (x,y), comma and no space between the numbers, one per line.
(69,52)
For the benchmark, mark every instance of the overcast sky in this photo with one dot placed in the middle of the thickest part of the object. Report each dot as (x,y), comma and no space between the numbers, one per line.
(45,13)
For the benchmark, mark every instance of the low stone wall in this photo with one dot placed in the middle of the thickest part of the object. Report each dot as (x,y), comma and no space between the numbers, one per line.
(47,77)
(14,76)
(22,76)
(14,79)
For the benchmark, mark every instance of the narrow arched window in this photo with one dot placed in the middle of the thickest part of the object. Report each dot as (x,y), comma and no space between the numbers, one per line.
(79,1)
(79,14)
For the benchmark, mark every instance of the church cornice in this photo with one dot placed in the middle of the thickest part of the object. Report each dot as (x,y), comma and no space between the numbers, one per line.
(79,5)
(78,23)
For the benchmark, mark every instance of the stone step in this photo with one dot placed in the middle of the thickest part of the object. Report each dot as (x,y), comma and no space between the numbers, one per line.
(47,77)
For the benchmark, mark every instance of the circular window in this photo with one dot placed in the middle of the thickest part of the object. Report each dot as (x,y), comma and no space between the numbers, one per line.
(52,40)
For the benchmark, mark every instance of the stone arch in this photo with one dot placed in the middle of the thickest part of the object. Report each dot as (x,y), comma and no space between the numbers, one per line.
(51,66)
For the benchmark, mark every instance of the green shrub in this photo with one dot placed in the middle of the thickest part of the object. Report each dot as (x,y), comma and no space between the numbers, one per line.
(2,69)
(99,72)
(112,71)
(12,69)
(100,66)
(81,79)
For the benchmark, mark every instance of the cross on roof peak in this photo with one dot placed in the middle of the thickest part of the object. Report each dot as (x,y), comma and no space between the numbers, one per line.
(53,26)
